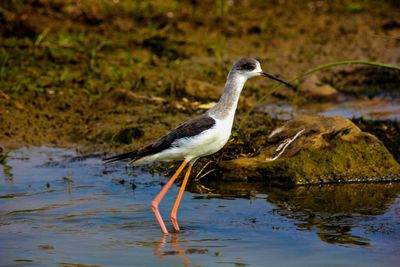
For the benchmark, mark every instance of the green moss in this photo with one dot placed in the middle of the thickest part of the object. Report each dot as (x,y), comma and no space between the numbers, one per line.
(362,161)
(342,162)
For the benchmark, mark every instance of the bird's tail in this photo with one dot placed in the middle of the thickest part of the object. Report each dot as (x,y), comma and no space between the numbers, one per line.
(129,155)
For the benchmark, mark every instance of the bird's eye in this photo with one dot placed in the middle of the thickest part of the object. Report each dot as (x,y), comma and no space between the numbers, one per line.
(247,66)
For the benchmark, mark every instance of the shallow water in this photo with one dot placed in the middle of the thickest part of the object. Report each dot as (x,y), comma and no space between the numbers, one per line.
(60,209)
(371,109)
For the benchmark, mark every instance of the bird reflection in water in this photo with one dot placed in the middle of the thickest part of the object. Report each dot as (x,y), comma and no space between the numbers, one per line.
(160,249)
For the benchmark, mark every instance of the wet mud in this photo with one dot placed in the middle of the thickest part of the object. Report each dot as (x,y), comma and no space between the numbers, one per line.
(118,74)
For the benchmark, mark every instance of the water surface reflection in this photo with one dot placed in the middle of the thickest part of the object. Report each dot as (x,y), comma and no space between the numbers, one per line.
(63,209)
(333,211)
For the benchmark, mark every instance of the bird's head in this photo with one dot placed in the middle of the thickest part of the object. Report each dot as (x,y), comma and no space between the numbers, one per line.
(250,67)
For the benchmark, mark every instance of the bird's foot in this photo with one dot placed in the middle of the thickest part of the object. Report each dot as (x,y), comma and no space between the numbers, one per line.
(175,222)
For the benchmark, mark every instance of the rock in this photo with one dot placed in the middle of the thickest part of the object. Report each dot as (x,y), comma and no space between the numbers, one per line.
(329,150)
(313,87)
(202,90)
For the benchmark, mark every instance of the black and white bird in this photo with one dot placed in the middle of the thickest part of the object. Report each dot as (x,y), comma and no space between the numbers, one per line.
(198,137)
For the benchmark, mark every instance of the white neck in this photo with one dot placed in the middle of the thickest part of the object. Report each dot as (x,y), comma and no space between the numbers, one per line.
(227,104)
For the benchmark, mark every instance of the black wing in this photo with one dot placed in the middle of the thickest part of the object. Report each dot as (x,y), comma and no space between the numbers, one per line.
(188,129)
(128,155)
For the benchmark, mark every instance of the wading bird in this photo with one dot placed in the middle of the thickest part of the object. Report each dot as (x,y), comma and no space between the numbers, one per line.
(198,137)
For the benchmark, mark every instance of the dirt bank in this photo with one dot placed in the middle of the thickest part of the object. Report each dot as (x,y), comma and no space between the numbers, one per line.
(112,75)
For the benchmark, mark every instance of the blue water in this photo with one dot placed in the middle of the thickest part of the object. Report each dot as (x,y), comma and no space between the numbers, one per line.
(58,209)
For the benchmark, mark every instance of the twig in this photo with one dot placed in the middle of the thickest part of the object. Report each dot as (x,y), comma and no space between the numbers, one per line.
(202,169)
(282,149)
(5,96)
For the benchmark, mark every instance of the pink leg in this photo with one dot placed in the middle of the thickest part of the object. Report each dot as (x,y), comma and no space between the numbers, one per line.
(159,197)
(178,199)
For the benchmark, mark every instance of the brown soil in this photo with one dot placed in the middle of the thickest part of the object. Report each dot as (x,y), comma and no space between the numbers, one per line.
(111,74)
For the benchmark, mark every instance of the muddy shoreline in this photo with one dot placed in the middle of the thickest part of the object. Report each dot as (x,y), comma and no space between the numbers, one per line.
(114,76)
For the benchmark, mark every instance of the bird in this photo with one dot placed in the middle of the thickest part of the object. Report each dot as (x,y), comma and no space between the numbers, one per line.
(198,137)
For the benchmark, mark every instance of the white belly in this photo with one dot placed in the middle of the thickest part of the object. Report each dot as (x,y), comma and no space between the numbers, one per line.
(206,143)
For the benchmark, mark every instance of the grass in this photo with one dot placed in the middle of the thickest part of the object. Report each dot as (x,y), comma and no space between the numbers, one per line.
(70,54)
(4,57)
(104,47)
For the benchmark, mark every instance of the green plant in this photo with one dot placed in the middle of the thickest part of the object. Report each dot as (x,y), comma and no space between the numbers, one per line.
(4,57)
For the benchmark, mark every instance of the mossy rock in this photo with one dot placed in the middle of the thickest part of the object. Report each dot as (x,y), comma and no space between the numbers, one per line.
(329,150)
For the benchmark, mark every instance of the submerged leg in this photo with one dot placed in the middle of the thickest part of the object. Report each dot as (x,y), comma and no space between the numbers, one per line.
(159,197)
(178,199)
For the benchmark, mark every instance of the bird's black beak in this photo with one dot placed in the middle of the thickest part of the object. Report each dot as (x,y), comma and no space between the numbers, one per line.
(277,79)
